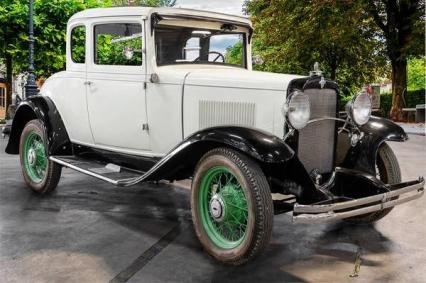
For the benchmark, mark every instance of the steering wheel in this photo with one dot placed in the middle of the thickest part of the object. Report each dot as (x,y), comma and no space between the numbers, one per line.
(219,55)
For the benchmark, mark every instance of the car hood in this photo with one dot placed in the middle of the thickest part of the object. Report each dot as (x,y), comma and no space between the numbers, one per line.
(231,77)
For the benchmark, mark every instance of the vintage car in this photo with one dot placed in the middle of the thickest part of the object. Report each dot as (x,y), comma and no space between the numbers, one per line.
(154,94)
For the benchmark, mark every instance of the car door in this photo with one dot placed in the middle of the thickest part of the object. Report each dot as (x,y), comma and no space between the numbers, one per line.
(68,89)
(116,94)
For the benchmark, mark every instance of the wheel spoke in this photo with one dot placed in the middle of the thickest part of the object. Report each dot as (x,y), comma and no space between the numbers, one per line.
(236,206)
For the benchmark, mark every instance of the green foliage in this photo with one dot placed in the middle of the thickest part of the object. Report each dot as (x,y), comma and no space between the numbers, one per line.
(108,53)
(402,26)
(343,101)
(234,54)
(78,44)
(50,21)
(416,73)
(412,98)
(292,35)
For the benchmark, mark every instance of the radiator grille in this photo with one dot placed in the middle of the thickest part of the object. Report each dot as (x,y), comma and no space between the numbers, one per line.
(216,113)
(316,142)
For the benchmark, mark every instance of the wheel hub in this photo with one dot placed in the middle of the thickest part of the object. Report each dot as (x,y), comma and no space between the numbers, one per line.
(32,157)
(217,208)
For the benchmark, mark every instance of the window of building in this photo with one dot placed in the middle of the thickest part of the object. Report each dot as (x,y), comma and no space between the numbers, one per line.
(118,44)
(2,97)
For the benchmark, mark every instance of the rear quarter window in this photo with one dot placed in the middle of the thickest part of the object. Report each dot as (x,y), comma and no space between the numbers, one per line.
(78,44)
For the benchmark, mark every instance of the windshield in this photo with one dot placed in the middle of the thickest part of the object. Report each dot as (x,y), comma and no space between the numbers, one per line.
(181,45)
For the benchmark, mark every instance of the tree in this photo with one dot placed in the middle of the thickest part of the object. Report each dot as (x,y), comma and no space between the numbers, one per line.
(12,21)
(50,21)
(292,35)
(402,26)
(416,73)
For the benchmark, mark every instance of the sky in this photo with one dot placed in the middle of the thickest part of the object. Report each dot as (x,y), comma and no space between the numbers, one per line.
(224,6)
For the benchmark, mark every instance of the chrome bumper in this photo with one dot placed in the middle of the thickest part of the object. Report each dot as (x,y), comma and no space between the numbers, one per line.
(398,194)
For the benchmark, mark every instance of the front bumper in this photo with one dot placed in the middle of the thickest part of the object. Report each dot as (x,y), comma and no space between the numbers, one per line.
(341,208)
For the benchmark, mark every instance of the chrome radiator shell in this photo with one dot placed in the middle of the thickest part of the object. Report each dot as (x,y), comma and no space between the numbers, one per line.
(316,142)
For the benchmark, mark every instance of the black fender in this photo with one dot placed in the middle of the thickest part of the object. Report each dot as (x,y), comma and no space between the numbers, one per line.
(41,108)
(180,162)
(277,160)
(378,130)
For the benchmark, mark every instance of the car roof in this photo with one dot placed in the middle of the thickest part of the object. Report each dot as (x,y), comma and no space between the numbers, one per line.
(147,11)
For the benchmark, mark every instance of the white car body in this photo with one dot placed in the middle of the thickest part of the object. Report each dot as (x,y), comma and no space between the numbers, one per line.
(149,108)
(112,104)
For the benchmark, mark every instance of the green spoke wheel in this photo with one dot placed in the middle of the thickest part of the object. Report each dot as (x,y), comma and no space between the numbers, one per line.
(231,206)
(223,207)
(35,160)
(40,174)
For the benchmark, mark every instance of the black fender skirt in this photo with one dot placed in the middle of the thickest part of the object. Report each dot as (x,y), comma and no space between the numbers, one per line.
(378,130)
(41,108)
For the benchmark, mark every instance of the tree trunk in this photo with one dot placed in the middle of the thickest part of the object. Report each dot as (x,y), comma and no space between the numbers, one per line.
(333,73)
(399,87)
(9,81)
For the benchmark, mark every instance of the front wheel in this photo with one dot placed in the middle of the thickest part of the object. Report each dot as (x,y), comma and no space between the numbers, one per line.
(389,172)
(231,205)
(40,174)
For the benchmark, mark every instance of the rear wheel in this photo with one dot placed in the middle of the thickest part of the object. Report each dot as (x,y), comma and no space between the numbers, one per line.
(40,174)
(231,206)
(389,172)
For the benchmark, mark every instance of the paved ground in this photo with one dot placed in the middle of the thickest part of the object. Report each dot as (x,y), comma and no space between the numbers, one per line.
(88,231)
(414,128)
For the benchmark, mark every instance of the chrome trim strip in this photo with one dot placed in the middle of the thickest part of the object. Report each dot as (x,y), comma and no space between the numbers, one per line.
(325,118)
(120,150)
(321,213)
(288,134)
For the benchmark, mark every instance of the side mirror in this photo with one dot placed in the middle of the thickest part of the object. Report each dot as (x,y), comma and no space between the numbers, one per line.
(128,53)
(257,60)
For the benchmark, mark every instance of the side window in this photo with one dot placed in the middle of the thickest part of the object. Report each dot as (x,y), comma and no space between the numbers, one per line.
(78,44)
(118,44)
(192,49)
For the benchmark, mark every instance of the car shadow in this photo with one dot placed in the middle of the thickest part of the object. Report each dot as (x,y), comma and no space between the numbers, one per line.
(292,245)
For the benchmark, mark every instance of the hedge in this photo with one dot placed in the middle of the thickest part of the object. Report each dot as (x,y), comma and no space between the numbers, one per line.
(412,98)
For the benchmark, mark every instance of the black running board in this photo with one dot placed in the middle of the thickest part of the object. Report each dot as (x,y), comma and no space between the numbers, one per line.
(111,173)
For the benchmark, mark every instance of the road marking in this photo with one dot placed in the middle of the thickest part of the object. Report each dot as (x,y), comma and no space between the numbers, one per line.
(148,255)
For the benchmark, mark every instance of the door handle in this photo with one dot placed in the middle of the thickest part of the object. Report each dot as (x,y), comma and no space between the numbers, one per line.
(89,83)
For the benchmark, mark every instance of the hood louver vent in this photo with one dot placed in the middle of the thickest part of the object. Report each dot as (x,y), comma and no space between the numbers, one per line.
(217,113)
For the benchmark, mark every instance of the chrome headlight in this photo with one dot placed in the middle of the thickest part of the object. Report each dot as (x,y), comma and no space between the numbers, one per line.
(359,108)
(297,110)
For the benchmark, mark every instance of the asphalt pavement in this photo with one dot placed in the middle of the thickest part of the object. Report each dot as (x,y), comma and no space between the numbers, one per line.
(89,231)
